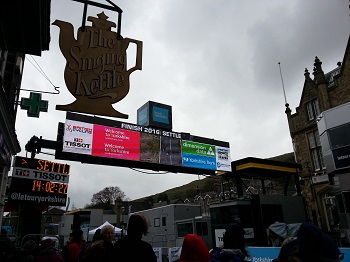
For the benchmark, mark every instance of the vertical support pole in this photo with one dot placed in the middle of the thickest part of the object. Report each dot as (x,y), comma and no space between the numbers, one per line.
(119,26)
(84,17)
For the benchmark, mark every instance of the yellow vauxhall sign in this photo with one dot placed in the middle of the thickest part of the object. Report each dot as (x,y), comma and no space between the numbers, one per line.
(96,72)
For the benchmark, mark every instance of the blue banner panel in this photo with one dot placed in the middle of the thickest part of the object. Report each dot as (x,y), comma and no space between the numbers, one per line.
(198,161)
(267,254)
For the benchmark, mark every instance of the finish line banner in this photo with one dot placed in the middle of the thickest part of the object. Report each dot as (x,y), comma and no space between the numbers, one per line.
(131,142)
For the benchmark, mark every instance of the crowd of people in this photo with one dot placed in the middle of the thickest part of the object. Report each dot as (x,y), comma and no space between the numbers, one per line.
(311,244)
(101,248)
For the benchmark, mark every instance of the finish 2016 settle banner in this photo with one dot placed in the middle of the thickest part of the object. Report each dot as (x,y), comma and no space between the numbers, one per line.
(138,143)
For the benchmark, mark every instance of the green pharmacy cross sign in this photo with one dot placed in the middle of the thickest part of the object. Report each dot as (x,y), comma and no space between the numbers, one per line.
(34,105)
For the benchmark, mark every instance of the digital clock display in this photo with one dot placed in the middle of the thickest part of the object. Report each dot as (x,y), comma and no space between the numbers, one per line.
(38,187)
(49,187)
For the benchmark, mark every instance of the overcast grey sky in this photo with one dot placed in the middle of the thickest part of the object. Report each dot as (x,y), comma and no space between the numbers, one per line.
(214,62)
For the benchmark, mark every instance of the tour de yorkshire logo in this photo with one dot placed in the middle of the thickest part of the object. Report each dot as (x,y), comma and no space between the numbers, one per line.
(96,71)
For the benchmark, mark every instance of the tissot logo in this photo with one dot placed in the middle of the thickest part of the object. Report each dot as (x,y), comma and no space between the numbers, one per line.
(77,144)
(78,140)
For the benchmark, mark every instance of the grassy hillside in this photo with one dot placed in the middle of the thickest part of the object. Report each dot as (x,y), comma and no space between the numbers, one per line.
(189,190)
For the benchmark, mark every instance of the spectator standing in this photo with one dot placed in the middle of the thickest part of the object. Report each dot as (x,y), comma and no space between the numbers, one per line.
(194,249)
(101,249)
(71,251)
(131,247)
(289,251)
(6,247)
(48,252)
(315,245)
(25,254)
(233,248)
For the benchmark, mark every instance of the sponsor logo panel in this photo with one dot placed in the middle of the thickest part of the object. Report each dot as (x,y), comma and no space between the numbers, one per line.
(42,175)
(195,148)
(223,159)
(78,137)
(197,161)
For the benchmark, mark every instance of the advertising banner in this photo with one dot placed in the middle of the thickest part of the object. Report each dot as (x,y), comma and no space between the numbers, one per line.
(145,144)
(116,143)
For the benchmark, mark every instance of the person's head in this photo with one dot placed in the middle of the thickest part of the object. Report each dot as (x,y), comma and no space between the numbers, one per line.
(289,251)
(97,235)
(77,235)
(30,245)
(107,233)
(44,244)
(137,225)
(194,249)
(234,238)
(315,245)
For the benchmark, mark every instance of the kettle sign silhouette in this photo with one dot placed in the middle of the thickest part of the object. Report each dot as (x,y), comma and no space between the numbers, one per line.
(96,71)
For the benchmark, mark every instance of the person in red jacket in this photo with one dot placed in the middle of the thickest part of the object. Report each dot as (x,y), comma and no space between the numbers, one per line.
(75,244)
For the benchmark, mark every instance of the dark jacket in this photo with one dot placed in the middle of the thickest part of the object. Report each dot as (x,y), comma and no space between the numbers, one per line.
(49,254)
(99,251)
(21,255)
(229,255)
(133,249)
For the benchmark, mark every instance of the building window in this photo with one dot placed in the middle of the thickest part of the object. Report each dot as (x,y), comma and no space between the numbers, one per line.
(316,150)
(157,222)
(313,109)
(163,221)
(48,219)
(202,228)
(184,228)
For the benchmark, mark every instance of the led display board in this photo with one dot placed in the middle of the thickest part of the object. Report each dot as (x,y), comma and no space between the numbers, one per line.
(108,142)
(155,115)
(39,181)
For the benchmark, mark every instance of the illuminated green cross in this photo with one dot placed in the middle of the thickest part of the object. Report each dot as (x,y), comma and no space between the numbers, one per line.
(34,105)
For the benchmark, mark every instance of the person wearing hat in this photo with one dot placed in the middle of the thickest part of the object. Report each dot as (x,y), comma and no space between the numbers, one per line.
(194,249)
(234,246)
(48,252)
(315,245)
(289,251)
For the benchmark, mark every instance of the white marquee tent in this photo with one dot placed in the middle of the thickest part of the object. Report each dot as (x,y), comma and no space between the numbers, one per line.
(117,230)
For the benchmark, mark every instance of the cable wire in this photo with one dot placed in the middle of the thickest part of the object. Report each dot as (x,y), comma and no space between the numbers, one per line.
(41,71)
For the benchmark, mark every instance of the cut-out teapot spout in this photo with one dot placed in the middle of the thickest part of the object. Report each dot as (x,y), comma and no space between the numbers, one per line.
(66,37)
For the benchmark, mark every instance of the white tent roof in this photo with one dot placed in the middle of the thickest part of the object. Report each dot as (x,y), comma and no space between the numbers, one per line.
(116,229)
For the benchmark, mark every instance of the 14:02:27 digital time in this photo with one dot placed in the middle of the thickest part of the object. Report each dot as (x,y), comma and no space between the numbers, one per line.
(49,187)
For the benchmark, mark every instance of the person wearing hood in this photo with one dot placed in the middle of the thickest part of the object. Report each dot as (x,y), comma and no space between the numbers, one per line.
(194,249)
(48,252)
(233,248)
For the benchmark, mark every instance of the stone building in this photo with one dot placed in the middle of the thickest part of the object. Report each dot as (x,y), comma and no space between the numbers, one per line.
(321,91)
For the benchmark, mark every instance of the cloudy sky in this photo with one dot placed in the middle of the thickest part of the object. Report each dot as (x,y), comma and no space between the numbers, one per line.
(214,62)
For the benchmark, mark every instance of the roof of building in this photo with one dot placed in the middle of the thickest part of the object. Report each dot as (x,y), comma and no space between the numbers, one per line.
(250,167)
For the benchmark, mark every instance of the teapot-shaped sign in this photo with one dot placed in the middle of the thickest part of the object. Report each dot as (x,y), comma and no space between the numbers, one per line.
(96,72)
